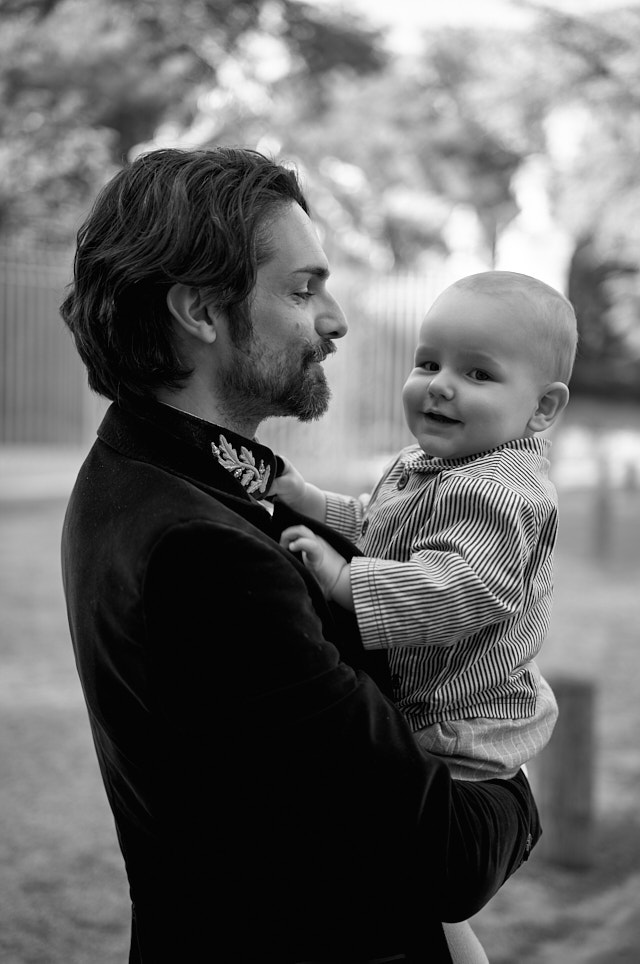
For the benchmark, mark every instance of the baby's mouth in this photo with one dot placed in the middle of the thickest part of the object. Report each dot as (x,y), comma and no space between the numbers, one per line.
(438,417)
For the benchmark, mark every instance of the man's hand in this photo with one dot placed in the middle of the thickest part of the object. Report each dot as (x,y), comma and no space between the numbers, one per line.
(328,566)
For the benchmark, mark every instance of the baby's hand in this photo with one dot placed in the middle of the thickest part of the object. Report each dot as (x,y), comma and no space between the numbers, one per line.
(318,556)
(289,485)
(299,495)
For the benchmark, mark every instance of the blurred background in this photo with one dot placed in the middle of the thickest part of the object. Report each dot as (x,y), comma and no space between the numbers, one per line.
(433,140)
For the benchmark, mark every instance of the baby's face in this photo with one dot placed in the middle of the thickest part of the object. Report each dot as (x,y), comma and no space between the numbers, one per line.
(475,382)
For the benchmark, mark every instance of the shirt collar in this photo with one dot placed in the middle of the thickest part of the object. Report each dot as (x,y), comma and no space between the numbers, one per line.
(415,458)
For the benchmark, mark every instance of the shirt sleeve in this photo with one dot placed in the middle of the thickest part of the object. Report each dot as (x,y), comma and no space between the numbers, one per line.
(344,514)
(466,569)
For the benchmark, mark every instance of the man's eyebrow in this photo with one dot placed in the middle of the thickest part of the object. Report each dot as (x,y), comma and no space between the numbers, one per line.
(313,269)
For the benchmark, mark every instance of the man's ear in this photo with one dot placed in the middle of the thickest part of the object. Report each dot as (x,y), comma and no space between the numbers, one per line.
(550,404)
(191,313)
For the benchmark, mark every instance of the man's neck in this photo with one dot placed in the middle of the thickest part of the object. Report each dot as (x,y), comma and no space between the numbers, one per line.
(204,406)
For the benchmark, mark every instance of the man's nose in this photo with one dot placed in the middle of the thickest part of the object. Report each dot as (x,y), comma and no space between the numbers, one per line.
(331,321)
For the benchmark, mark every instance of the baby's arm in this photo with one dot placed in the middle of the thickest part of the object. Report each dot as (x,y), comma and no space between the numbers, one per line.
(332,570)
(300,495)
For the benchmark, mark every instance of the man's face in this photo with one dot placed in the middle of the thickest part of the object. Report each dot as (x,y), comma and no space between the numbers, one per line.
(277,370)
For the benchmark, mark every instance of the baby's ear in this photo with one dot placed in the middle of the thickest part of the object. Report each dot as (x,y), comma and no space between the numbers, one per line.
(550,404)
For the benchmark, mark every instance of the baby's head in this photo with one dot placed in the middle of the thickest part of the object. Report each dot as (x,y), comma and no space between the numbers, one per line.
(493,361)
(547,319)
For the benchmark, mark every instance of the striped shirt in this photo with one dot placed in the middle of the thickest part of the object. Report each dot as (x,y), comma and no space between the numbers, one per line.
(456,578)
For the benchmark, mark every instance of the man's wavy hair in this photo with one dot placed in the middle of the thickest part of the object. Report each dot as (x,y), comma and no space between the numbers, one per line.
(200,218)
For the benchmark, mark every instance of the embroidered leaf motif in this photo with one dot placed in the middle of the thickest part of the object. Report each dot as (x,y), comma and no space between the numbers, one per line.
(243,467)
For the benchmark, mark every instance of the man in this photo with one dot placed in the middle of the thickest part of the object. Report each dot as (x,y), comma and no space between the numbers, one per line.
(270,803)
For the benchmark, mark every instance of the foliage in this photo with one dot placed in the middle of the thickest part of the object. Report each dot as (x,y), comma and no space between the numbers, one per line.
(82,82)
(597,191)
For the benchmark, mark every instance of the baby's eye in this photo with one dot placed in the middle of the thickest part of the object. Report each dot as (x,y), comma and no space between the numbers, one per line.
(479,375)
(430,366)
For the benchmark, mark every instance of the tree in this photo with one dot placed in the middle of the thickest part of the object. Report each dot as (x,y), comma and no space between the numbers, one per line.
(597,192)
(82,82)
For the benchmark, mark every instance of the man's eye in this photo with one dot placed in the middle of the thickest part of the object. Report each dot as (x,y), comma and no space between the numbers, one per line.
(479,375)
(304,295)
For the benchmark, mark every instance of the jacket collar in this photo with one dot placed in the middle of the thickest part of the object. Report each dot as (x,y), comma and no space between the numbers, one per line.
(191,447)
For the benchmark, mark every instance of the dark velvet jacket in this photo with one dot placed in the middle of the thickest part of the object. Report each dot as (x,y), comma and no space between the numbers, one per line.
(270,802)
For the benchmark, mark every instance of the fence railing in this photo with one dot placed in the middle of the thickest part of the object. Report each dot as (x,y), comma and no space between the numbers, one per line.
(42,393)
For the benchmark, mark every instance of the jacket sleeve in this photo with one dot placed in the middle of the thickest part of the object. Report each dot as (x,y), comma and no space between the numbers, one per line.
(341,795)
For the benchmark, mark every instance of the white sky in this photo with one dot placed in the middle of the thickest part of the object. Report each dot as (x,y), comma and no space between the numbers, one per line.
(407,18)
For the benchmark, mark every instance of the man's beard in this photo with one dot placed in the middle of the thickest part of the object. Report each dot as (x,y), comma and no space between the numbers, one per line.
(279,389)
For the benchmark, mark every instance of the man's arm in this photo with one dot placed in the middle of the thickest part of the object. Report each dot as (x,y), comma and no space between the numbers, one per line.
(332,761)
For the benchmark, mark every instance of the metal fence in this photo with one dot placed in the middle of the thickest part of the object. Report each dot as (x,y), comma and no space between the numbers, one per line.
(42,395)
(44,398)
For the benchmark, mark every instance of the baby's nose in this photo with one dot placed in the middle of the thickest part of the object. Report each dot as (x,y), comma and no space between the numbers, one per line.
(441,384)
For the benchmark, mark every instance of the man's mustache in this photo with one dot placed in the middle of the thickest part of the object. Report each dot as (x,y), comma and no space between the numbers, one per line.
(319,352)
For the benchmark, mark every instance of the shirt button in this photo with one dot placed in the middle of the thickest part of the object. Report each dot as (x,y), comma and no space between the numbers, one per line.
(404,478)
(365,526)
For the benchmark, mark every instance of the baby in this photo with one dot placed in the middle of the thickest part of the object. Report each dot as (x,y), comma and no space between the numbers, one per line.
(455,580)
